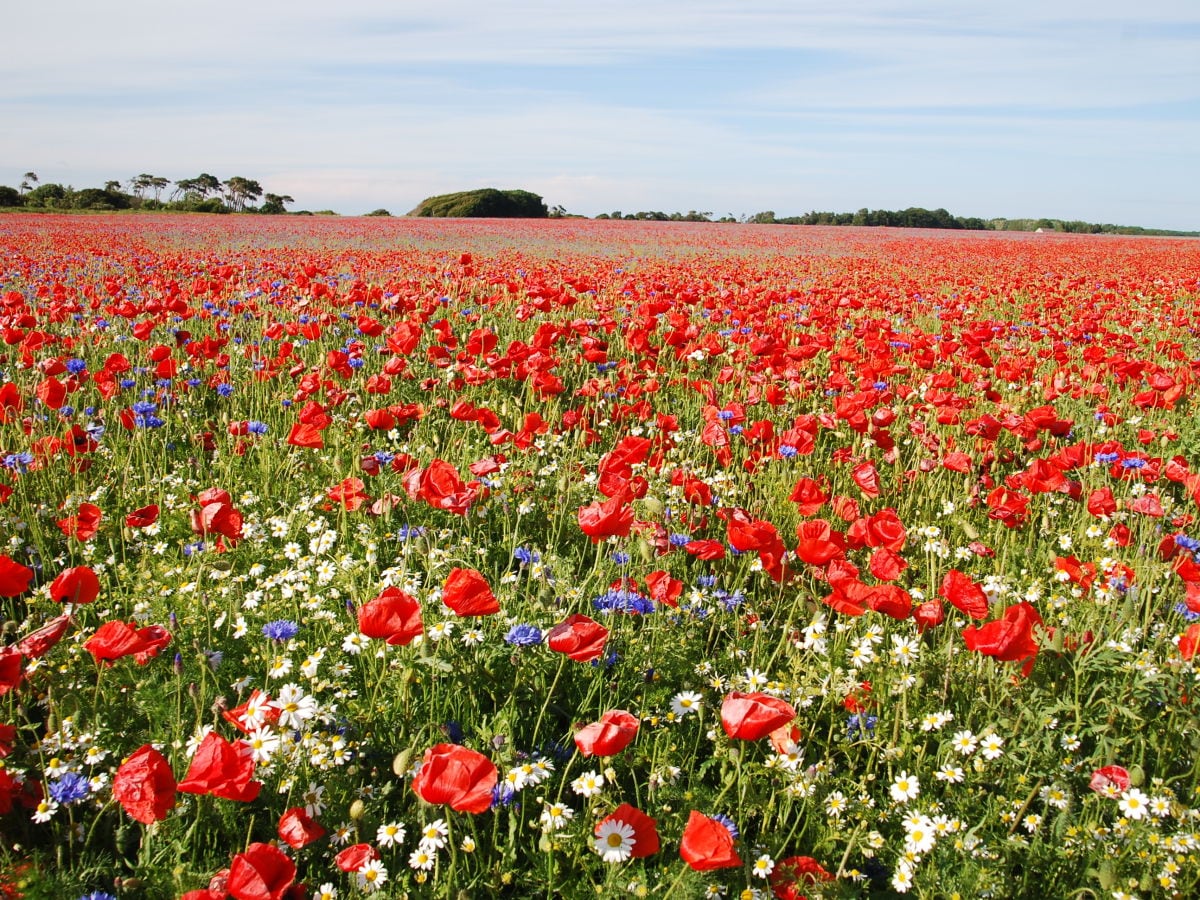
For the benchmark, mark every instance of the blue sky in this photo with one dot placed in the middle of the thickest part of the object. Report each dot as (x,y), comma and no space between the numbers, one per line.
(1087,110)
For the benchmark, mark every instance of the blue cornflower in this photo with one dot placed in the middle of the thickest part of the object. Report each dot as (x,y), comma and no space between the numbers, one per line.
(256,427)
(70,788)
(1133,463)
(225,389)
(1106,458)
(678,540)
(75,366)
(502,795)
(355,363)
(736,429)
(524,635)
(384,457)
(404,532)
(623,601)
(706,581)
(281,630)
(66,411)
(127,383)
(725,415)
(143,408)
(525,556)
(787,451)
(880,385)
(620,557)
(453,732)
(98,895)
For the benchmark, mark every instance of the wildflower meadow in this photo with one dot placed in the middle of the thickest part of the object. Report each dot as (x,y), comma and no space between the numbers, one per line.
(451,559)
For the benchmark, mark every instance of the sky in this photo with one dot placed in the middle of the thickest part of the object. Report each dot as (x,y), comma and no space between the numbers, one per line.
(1024,108)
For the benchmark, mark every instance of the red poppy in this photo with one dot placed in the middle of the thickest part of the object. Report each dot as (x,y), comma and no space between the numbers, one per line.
(143,517)
(8,734)
(452,774)
(580,638)
(867,479)
(263,872)
(223,769)
(355,857)
(393,616)
(14,577)
(1112,777)
(75,585)
(440,486)
(809,496)
(612,518)
(145,786)
(748,717)
(1101,503)
(468,593)
(662,588)
(891,600)
(217,516)
(1009,638)
(350,492)
(304,434)
(965,594)
(40,642)
(11,662)
(706,550)
(115,640)
(84,524)
(794,873)
(819,543)
(613,733)
(707,844)
(929,614)
(298,829)
(645,829)
(887,565)
(1189,641)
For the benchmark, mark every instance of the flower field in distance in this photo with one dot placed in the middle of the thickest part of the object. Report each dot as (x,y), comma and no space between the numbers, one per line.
(367,557)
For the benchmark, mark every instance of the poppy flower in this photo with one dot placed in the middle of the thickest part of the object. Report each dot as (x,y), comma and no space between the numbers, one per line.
(1189,641)
(297,829)
(143,517)
(612,518)
(305,434)
(468,593)
(8,734)
(40,642)
(14,577)
(1110,778)
(75,585)
(355,857)
(454,775)
(579,638)
(10,669)
(929,614)
(217,516)
(440,486)
(1009,638)
(748,717)
(662,588)
(222,769)
(707,844)
(115,640)
(819,543)
(262,872)
(84,524)
(795,872)
(145,786)
(393,616)
(613,733)
(965,594)
(645,829)
(867,479)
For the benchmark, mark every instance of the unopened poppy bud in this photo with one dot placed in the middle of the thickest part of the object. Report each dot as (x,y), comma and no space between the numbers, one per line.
(357,808)
(402,762)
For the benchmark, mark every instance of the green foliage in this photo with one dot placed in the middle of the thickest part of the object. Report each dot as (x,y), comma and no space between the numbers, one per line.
(485,203)
(382,213)
(10,196)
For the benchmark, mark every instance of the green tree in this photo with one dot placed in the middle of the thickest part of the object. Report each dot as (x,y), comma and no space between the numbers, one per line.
(239,191)
(275,204)
(28,180)
(10,196)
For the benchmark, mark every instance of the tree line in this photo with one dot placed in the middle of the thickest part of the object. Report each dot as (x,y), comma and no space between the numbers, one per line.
(204,193)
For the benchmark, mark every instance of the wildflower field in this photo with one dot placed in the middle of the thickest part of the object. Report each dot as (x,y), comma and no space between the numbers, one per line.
(349,557)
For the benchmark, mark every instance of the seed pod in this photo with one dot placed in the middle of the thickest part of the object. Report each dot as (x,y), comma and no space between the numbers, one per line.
(401,763)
